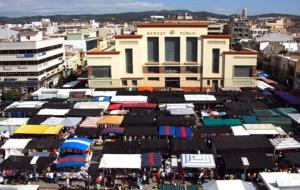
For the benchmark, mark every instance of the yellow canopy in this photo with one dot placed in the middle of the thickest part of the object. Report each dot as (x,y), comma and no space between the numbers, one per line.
(39,129)
(110,120)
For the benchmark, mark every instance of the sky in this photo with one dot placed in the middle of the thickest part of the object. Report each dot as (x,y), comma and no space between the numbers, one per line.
(17,8)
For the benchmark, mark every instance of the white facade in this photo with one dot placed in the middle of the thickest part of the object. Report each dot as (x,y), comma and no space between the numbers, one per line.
(32,63)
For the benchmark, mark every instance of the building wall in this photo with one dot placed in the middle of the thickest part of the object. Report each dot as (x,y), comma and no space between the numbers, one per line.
(232,60)
(138,43)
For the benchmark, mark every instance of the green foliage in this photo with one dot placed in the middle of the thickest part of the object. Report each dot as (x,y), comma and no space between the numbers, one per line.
(11,95)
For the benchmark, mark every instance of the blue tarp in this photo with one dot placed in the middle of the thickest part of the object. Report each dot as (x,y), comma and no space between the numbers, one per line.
(80,144)
(249,119)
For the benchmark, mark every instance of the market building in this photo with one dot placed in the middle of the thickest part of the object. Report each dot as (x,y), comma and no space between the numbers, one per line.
(178,55)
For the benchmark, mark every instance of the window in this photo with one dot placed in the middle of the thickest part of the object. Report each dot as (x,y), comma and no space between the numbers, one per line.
(134,82)
(101,71)
(191,78)
(191,69)
(208,82)
(222,83)
(153,69)
(172,49)
(153,78)
(124,82)
(153,49)
(191,49)
(172,69)
(242,71)
(128,59)
(216,60)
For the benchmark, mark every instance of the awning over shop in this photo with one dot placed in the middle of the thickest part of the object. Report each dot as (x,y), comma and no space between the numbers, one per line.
(189,146)
(90,122)
(183,132)
(285,143)
(199,97)
(123,99)
(236,144)
(198,161)
(280,180)
(85,112)
(110,120)
(15,147)
(182,111)
(229,184)
(141,131)
(151,160)
(71,161)
(167,131)
(279,121)
(39,129)
(113,130)
(54,112)
(155,145)
(221,122)
(239,131)
(288,97)
(255,161)
(295,117)
(92,105)
(120,147)
(44,144)
(127,161)
(80,144)
(66,121)
(250,119)
(114,107)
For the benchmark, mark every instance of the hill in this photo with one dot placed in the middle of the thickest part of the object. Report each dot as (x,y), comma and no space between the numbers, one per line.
(130,16)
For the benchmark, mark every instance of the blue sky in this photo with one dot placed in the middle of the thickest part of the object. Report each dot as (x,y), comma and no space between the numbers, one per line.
(15,8)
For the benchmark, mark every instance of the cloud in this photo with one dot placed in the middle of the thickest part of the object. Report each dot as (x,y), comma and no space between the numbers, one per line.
(35,7)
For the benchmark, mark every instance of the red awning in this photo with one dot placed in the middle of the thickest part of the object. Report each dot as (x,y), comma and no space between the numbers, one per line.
(114,107)
(139,105)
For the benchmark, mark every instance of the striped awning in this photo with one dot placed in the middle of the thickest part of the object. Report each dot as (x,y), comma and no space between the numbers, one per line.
(198,161)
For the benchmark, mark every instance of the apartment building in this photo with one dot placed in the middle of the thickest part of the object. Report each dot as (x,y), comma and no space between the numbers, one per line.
(31,64)
(179,55)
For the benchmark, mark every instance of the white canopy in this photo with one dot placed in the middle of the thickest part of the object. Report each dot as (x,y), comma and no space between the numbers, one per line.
(295,117)
(285,143)
(199,97)
(26,104)
(262,85)
(57,112)
(118,112)
(182,111)
(15,147)
(19,187)
(239,131)
(66,121)
(129,161)
(129,99)
(104,93)
(229,185)
(14,121)
(264,129)
(280,180)
(198,161)
(173,106)
(11,124)
(91,105)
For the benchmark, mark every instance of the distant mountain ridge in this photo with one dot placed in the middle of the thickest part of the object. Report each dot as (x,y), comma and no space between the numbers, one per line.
(131,16)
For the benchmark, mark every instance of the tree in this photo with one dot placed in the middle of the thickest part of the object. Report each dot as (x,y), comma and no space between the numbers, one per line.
(11,95)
